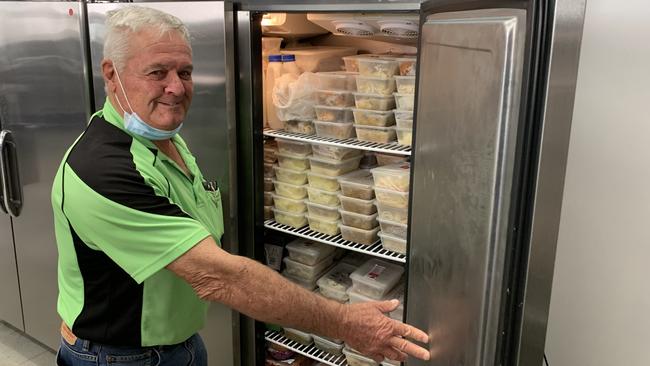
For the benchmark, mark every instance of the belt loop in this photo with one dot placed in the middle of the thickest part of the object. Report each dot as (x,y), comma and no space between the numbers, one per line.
(86,345)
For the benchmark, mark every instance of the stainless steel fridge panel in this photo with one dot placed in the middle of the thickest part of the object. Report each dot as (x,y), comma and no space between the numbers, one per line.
(43,99)
(470,68)
(10,307)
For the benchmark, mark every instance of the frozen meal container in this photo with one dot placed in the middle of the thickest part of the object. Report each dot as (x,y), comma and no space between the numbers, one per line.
(376,278)
(368,161)
(270,155)
(386,159)
(375,85)
(328,346)
(290,176)
(376,102)
(322,211)
(357,184)
(392,198)
(268,212)
(369,117)
(290,219)
(403,114)
(400,215)
(336,282)
(337,80)
(323,225)
(394,228)
(355,258)
(404,123)
(293,162)
(404,136)
(350,204)
(360,236)
(407,66)
(323,197)
(404,101)
(308,285)
(268,198)
(298,126)
(296,148)
(323,182)
(334,130)
(356,359)
(268,170)
(405,84)
(394,176)
(333,114)
(378,67)
(375,134)
(289,204)
(351,62)
(298,336)
(333,168)
(309,252)
(392,243)
(334,152)
(334,98)
(359,221)
(289,190)
(319,58)
(356,297)
(268,184)
(305,272)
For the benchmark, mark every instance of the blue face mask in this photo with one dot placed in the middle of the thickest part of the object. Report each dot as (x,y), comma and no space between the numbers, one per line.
(134,124)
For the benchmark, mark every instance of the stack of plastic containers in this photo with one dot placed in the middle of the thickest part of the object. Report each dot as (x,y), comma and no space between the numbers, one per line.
(334,105)
(270,158)
(291,182)
(392,191)
(307,262)
(404,99)
(358,212)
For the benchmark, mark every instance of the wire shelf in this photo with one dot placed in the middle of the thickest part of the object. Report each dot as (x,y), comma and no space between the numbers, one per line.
(308,350)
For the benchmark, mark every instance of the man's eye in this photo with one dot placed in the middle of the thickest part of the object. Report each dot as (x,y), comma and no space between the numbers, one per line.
(185,75)
(157,73)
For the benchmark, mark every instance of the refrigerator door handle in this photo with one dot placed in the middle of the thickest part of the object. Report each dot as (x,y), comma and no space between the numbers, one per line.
(12,190)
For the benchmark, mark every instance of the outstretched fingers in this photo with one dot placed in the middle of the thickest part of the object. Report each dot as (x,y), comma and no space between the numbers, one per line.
(408,331)
(404,346)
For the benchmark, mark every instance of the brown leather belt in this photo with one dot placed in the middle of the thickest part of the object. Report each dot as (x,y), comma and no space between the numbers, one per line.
(67,334)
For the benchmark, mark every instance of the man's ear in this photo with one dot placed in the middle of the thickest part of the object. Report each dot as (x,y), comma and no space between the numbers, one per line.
(108,73)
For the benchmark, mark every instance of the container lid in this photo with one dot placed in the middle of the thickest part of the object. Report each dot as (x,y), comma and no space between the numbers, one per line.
(312,174)
(288,58)
(318,190)
(302,214)
(277,167)
(358,215)
(328,91)
(337,278)
(390,191)
(378,274)
(320,159)
(298,332)
(364,77)
(341,124)
(363,231)
(383,60)
(397,170)
(337,74)
(405,77)
(292,156)
(278,197)
(402,114)
(384,221)
(289,184)
(323,219)
(275,58)
(332,107)
(387,128)
(404,95)
(322,207)
(360,177)
(360,201)
(391,237)
(371,95)
(364,359)
(372,111)
(311,249)
(333,343)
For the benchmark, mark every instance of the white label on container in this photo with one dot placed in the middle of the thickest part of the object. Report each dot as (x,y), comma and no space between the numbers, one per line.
(375,272)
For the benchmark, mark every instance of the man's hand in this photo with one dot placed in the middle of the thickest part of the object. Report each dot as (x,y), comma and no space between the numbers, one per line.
(366,329)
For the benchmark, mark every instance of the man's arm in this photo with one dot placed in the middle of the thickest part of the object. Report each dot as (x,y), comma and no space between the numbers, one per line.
(259,292)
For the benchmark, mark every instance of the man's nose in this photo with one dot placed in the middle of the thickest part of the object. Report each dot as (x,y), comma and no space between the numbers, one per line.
(174,84)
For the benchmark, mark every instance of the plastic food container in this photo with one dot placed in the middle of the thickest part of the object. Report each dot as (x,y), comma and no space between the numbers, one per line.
(404,123)
(333,168)
(323,197)
(378,67)
(366,222)
(328,346)
(308,285)
(319,58)
(368,161)
(290,219)
(392,198)
(404,136)
(392,228)
(356,359)
(337,80)
(322,225)
(334,152)
(387,362)
(305,272)
(268,198)
(289,205)
(269,155)
(298,126)
(293,148)
(375,85)
(289,190)
(361,236)
(268,184)
(376,102)
(407,65)
(355,258)
(376,278)
(322,211)
(369,117)
(365,207)
(293,162)
(268,170)
(399,215)
(387,159)
(334,130)
(333,114)
(403,114)
(309,252)
(298,336)
(390,242)
(351,62)
(405,84)
(375,134)
(404,101)
(357,184)
(335,98)
(394,176)
(268,212)
(323,182)
(336,282)
(290,176)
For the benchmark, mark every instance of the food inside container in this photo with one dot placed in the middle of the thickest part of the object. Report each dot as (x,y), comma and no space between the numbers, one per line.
(337,80)
(368,117)
(290,219)
(308,285)
(364,207)
(375,85)
(268,170)
(270,154)
(323,197)
(392,198)
(357,359)
(375,134)
(359,221)
(404,101)
(393,214)
(368,161)
(355,258)
(333,114)
(400,114)
(268,198)
(328,346)
(404,136)
(376,278)
(309,252)
(298,126)
(336,282)
(334,168)
(289,190)
(351,62)
(386,159)
(298,336)
(322,225)
(393,228)
(334,152)
(392,243)
(407,66)
(378,67)
(376,102)
(268,184)
(334,130)
(335,98)
(279,353)
(394,176)
(289,204)
(307,272)
(291,176)
(293,162)
(268,212)
(322,211)
(293,148)
(358,184)
(405,84)
(323,182)
(360,236)
(404,123)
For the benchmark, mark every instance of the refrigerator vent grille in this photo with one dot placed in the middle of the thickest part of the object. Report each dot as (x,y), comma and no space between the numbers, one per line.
(399,29)
(353,28)
(308,350)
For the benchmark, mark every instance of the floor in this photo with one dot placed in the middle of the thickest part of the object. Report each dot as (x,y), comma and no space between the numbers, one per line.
(16,349)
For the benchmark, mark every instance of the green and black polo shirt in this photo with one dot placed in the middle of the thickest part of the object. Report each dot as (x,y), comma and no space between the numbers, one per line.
(123,211)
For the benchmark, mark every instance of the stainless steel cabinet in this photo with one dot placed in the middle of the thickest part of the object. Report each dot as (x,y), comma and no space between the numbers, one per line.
(10,307)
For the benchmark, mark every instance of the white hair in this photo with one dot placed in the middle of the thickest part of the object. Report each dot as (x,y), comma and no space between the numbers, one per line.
(121,25)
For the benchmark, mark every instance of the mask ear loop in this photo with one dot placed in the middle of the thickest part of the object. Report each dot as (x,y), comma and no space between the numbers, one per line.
(123,92)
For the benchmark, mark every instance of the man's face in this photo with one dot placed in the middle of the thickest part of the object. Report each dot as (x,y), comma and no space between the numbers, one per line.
(157,78)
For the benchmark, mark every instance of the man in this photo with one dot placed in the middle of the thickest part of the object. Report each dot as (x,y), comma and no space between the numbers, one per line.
(138,229)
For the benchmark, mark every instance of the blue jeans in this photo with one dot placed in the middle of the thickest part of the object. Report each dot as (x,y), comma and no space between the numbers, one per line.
(85,353)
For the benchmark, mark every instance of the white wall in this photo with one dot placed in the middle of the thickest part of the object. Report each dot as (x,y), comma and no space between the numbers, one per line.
(600,305)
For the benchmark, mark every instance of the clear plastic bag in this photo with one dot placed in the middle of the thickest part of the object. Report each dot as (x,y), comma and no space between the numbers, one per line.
(294,98)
